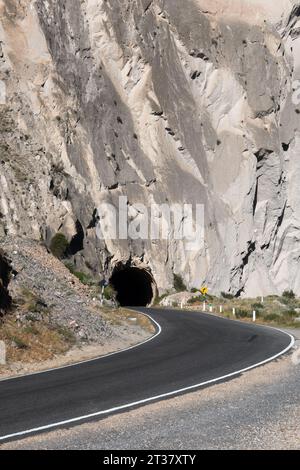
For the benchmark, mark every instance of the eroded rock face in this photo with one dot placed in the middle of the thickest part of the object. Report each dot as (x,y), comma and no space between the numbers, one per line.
(162,101)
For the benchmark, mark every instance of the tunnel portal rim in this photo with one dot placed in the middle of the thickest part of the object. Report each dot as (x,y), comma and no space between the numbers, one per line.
(123,267)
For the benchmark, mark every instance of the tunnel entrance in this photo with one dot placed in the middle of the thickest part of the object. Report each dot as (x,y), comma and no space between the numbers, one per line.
(5,273)
(134,286)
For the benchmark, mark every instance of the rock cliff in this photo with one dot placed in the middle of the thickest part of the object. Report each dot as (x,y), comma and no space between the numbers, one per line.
(162,101)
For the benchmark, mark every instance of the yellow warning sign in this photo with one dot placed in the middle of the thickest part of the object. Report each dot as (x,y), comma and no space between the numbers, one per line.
(204,290)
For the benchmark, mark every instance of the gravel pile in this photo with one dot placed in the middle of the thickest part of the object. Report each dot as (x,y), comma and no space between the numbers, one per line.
(66,301)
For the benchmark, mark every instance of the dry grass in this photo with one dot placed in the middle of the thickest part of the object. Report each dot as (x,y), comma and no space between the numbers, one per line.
(274,310)
(28,334)
(33,341)
(35,345)
(120,316)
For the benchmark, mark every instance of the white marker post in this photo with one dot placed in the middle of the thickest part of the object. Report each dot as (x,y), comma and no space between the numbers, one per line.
(204,306)
(181,305)
(211,309)
(254,315)
(2,353)
(233,311)
(221,309)
(262,300)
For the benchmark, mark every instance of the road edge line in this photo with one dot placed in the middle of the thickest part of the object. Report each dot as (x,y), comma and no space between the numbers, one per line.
(150,399)
(74,364)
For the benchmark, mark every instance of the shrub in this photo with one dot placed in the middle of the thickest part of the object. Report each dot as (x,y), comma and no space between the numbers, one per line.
(66,334)
(20,344)
(194,300)
(194,290)
(227,296)
(31,318)
(290,314)
(83,278)
(37,306)
(31,330)
(258,306)
(272,317)
(70,267)
(109,293)
(179,285)
(286,300)
(288,294)
(242,313)
(59,245)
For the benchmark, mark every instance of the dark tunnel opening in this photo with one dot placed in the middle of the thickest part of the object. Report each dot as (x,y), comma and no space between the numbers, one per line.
(5,274)
(76,244)
(134,286)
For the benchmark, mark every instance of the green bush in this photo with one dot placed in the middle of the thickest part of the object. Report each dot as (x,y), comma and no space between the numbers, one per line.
(59,245)
(286,301)
(289,294)
(194,300)
(66,334)
(31,329)
(109,293)
(194,290)
(31,318)
(258,306)
(290,314)
(70,267)
(179,285)
(84,278)
(272,317)
(242,313)
(227,296)
(20,344)
(37,306)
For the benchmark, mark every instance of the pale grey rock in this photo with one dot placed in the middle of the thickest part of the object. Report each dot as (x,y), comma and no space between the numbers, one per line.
(162,101)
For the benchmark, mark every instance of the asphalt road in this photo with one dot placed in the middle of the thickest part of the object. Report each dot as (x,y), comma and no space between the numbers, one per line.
(190,349)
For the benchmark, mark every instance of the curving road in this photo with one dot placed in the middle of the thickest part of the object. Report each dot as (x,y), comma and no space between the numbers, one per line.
(190,350)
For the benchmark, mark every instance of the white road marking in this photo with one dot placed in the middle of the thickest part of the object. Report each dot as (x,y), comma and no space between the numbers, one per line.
(150,399)
(91,360)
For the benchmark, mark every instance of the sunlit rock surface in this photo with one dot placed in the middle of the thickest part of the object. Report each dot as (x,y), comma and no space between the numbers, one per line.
(164,101)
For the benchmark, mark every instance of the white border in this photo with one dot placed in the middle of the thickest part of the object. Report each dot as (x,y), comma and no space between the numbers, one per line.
(150,399)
